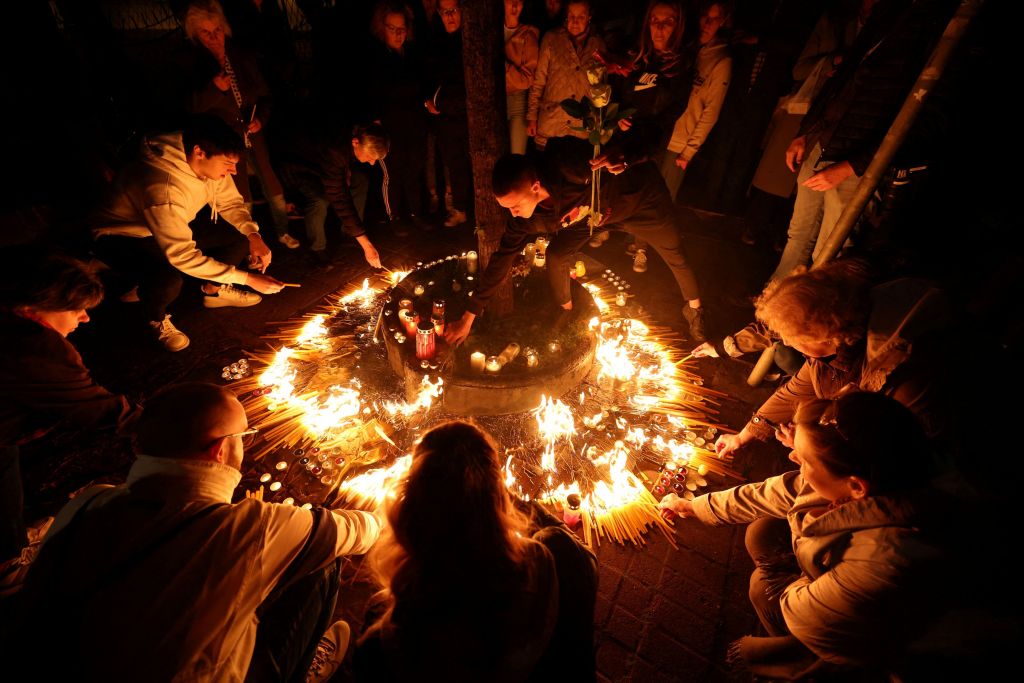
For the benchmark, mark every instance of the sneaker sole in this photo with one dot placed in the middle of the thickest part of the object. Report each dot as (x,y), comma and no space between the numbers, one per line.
(175,350)
(216,302)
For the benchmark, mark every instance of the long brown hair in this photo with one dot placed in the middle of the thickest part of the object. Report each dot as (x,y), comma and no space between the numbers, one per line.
(645,50)
(453,533)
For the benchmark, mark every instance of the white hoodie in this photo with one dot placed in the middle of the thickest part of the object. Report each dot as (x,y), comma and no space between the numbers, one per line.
(159,195)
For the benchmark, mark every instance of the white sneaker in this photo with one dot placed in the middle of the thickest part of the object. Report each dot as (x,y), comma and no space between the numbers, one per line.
(288,241)
(455,218)
(640,261)
(170,336)
(330,653)
(228,295)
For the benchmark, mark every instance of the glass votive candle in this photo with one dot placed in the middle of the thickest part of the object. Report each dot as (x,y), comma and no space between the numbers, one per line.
(493,364)
(471,262)
(532,360)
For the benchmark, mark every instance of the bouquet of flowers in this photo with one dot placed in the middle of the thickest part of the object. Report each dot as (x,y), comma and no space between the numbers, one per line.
(600,117)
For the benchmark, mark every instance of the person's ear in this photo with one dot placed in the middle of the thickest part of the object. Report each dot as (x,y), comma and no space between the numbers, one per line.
(217,451)
(198,153)
(535,188)
(859,488)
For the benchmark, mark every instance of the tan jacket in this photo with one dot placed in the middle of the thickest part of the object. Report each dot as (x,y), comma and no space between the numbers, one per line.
(167,574)
(522,52)
(710,83)
(158,197)
(561,73)
(865,588)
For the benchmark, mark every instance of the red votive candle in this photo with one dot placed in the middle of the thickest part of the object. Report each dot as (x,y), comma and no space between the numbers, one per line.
(425,340)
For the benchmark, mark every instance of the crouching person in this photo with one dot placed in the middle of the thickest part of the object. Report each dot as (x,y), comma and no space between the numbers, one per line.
(164,578)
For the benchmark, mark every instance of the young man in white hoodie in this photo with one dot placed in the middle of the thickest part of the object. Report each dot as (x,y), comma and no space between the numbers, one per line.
(143,229)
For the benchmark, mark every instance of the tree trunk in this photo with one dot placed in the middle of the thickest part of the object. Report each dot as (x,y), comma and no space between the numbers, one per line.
(483,57)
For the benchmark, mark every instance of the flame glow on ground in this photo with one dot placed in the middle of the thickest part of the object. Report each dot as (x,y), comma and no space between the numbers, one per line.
(642,410)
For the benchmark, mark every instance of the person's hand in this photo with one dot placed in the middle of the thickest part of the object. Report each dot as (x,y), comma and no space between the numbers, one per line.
(705,350)
(222,82)
(677,505)
(681,162)
(371,255)
(829,177)
(456,332)
(785,434)
(531,129)
(264,284)
(727,444)
(795,153)
(259,253)
(255,126)
(625,124)
(429,104)
(613,162)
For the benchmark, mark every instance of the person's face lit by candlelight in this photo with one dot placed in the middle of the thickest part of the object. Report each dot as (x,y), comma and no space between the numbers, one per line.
(451,15)
(395,31)
(577,19)
(513,8)
(212,167)
(61,322)
(522,203)
(710,22)
(662,25)
(211,34)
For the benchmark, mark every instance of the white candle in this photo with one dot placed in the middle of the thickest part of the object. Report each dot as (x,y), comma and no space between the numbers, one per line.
(471,259)
(477,361)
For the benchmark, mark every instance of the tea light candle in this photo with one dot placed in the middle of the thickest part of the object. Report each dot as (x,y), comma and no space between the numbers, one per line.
(405,305)
(620,298)
(276,486)
(288,501)
(281,465)
(702,469)
(418,290)
(471,261)
(554,347)
(477,361)
(265,478)
(493,364)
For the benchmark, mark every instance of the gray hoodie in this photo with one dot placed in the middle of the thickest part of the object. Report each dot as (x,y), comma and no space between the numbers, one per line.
(160,194)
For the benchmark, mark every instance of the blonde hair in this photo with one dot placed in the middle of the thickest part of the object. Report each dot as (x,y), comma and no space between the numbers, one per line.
(830,303)
(201,10)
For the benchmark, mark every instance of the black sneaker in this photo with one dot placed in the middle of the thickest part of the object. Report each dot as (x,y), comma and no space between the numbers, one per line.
(695,318)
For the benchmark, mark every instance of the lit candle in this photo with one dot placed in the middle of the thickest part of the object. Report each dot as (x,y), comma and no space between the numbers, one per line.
(405,305)
(281,465)
(509,353)
(571,512)
(409,321)
(493,364)
(542,245)
(538,259)
(554,347)
(620,298)
(471,259)
(418,290)
(529,251)
(276,486)
(581,269)
(531,357)
(425,340)
(477,361)
(265,478)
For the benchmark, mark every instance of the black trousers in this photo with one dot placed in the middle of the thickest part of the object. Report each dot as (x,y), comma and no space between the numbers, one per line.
(13,536)
(142,260)
(406,162)
(650,216)
(770,545)
(453,139)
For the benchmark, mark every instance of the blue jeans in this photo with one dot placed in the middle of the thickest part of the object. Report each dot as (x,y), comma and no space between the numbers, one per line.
(814,215)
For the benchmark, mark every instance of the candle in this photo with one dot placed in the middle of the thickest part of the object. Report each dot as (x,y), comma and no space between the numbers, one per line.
(281,465)
(438,323)
(542,245)
(620,298)
(265,478)
(471,259)
(425,340)
(276,486)
(581,269)
(493,364)
(456,286)
(702,469)
(554,347)
(409,321)
(438,309)
(571,512)
(538,259)
(509,353)
(477,361)
(531,357)
(529,251)
(405,305)
(418,290)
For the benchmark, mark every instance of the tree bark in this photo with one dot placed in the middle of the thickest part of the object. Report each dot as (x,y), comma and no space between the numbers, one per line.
(483,58)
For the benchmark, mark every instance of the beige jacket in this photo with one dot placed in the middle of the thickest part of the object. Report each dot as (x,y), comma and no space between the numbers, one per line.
(521,55)
(159,195)
(561,73)
(866,586)
(191,569)
(710,83)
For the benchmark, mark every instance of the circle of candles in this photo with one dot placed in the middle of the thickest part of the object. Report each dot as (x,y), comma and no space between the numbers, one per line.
(281,465)
(493,364)
(276,486)
(477,361)
(265,478)
(471,262)
(288,501)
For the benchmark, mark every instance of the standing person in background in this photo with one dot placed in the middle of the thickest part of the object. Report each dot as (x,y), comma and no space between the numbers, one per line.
(521,56)
(565,56)
(43,382)
(549,14)
(395,81)
(239,96)
(710,83)
(446,100)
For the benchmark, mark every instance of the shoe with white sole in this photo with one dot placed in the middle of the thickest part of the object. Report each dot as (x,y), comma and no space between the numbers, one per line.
(228,295)
(455,218)
(170,336)
(330,653)
(640,261)
(288,241)
(598,239)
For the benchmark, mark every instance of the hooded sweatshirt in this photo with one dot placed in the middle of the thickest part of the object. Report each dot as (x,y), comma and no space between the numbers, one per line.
(160,194)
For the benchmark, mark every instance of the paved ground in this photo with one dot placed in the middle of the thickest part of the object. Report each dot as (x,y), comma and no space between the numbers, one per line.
(662,613)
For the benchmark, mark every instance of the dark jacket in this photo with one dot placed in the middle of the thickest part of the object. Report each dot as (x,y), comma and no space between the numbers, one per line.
(445,76)
(43,383)
(395,85)
(853,112)
(659,91)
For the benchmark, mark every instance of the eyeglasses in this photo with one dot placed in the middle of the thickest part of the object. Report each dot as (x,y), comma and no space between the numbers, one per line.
(396,30)
(830,418)
(448,13)
(248,436)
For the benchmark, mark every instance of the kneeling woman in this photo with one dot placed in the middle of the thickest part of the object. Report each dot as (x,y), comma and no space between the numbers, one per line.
(845,554)
(468,594)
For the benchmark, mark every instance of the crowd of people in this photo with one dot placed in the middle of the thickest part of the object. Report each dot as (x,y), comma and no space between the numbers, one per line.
(169,572)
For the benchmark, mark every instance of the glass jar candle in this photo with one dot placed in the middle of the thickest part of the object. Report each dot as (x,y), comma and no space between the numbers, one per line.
(425,341)
(471,262)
